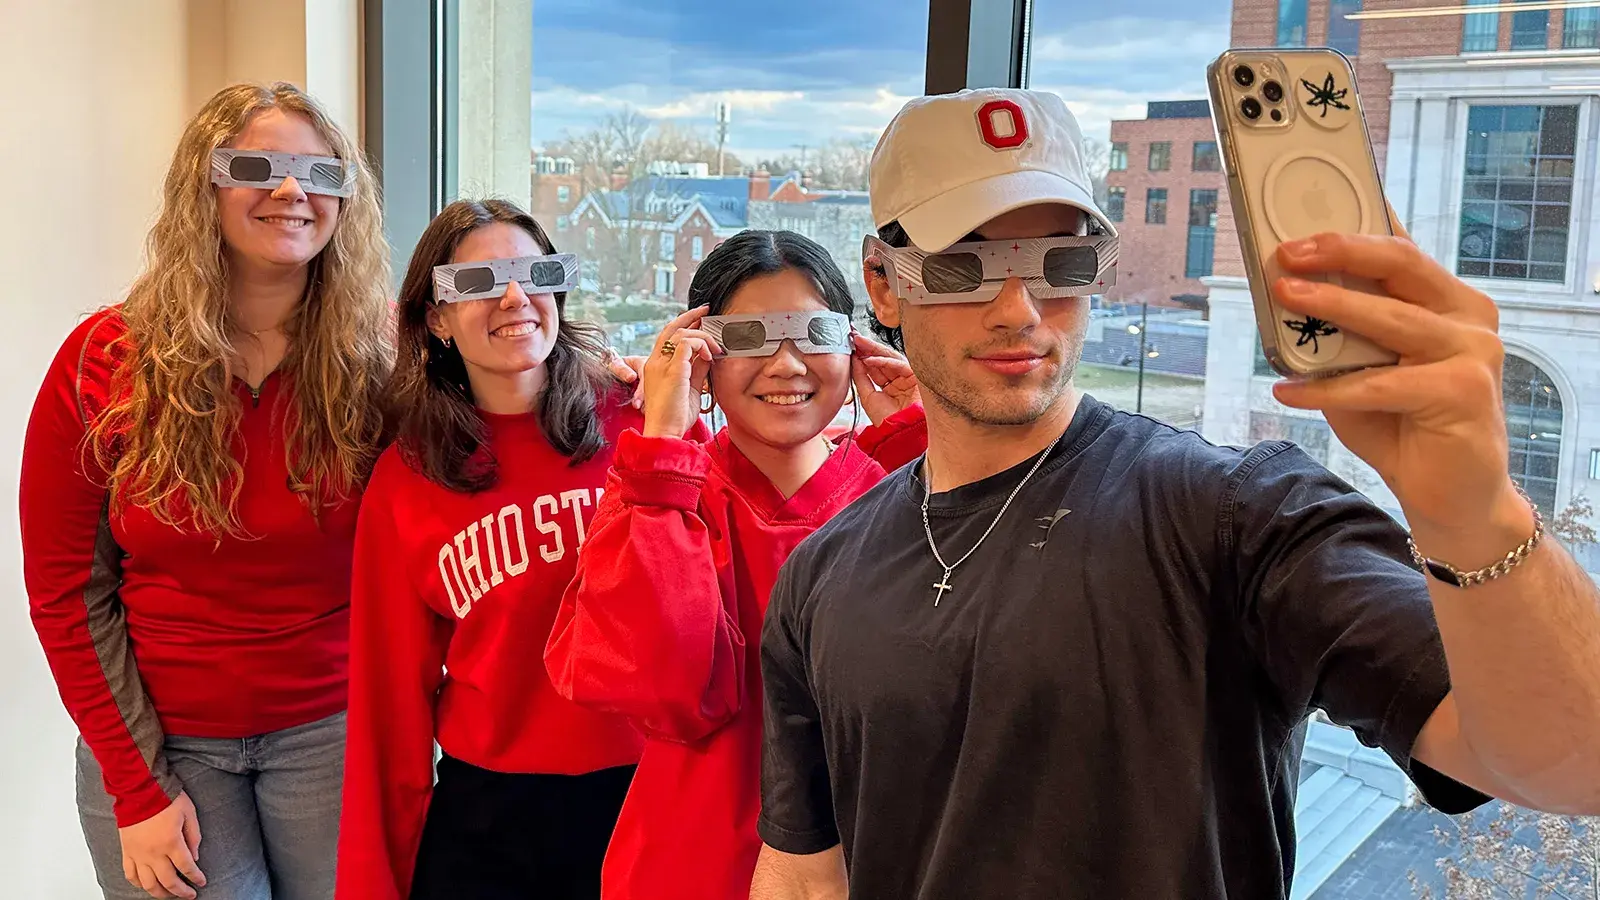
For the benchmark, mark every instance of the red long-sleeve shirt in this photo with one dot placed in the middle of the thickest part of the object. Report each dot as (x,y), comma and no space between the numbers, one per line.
(453,599)
(662,625)
(152,630)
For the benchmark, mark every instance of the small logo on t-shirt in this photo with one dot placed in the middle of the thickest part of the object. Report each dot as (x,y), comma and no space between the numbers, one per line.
(1048,524)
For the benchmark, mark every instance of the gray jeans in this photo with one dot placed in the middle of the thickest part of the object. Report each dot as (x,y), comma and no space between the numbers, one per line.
(268,808)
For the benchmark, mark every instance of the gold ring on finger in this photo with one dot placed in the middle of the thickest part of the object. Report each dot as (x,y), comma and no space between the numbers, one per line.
(668,347)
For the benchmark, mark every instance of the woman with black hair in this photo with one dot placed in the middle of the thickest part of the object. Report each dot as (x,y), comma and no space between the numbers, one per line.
(469,531)
(662,621)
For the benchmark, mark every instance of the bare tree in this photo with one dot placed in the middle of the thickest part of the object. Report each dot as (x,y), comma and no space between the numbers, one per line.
(1097,161)
(839,165)
(843,164)
(671,142)
(1517,853)
(1571,524)
(612,160)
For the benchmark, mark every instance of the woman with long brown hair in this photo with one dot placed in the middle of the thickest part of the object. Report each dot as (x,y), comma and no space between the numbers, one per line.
(189,488)
(469,531)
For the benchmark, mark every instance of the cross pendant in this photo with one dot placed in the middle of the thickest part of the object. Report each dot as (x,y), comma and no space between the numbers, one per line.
(942,586)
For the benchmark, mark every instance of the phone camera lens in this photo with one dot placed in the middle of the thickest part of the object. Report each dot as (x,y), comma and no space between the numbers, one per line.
(1251,108)
(1244,76)
(1277,116)
(1273,91)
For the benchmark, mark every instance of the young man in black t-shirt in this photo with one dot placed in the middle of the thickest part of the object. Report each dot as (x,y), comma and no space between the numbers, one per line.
(1070,654)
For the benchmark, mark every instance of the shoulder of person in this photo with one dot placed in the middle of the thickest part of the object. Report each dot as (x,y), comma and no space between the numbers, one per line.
(89,357)
(391,475)
(865,519)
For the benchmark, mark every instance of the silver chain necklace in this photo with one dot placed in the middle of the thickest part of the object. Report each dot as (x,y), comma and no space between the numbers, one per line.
(927,492)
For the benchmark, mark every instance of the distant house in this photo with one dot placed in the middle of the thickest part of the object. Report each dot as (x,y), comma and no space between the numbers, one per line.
(672,220)
(837,220)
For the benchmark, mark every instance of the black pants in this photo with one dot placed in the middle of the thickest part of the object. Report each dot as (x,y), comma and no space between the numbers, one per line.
(494,836)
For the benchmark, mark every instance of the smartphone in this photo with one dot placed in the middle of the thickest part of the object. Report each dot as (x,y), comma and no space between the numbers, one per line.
(1295,149)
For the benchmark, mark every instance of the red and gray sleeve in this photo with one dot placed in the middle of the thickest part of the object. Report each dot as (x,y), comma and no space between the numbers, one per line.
(72,569)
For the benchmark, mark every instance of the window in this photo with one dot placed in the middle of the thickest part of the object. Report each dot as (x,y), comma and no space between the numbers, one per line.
(1311,435)
(645,112)
(1202,233)
(1291,23)
(1155,206)
(1344,35)
(1581,28)
(1480,32)
(1119,156)
(1206,158)
(1160,156)
(1516,207)
(1533,424)
(1530,29)
(1116,199)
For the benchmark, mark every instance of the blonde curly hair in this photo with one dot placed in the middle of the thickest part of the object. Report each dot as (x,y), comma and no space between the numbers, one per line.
(166,434)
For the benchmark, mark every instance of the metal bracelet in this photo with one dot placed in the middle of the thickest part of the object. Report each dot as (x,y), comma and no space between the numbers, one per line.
(1452,576)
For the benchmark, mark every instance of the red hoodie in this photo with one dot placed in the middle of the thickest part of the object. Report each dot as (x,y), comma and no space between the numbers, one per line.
(153,630)
(663,625)
(452,602)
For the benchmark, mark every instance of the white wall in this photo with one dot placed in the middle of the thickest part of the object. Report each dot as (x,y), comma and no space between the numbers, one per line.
(98,92)
(95,104)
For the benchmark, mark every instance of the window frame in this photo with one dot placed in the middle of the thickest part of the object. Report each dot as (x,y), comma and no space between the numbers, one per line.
(1216,157)
(411,133)
(1116,211)
(1205,233)
(1535,37)
(1298,10)
(1589,16)
(1117,157)
(1150,203)
(1464,265)
(1480,39)
(1343,34)
(1164,150)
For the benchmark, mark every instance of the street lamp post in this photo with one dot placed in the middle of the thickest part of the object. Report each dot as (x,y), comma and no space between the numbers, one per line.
(1144,336)
(1142,330)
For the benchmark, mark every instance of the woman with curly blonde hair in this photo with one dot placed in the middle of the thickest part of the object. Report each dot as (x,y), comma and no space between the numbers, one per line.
(190,482)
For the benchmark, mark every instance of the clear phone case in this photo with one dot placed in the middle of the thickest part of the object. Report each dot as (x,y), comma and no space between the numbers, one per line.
(1298,160)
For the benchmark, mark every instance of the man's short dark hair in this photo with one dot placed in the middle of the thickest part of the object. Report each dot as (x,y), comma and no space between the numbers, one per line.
(895,236)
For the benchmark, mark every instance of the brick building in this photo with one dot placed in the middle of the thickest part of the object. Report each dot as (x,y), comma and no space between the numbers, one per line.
(645,239)
(1163,189)
(556,189)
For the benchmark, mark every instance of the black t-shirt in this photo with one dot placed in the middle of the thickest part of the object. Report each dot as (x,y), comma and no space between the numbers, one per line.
(1110,700)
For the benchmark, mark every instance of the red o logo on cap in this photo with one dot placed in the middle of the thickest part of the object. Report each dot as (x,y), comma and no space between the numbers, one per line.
(1002,124)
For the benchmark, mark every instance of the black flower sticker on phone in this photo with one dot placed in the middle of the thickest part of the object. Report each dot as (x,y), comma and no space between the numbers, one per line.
(1311,330)
(1328,96)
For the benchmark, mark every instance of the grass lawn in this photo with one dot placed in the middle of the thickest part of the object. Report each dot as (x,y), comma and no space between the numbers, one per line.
(1093,378)
(1174,399)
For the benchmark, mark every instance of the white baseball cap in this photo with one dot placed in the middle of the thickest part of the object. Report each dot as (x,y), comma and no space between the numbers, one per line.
(951,162)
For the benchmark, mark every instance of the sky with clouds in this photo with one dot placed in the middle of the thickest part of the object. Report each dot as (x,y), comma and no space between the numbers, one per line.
(827,69)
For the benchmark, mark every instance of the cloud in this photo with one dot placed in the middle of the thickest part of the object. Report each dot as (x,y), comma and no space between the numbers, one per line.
(842,69)
(705,104)
(1109,69)
(1136,41)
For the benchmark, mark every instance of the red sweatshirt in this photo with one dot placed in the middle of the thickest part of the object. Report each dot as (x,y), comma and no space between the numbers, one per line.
(663,625)
(151,630)
(453,599)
